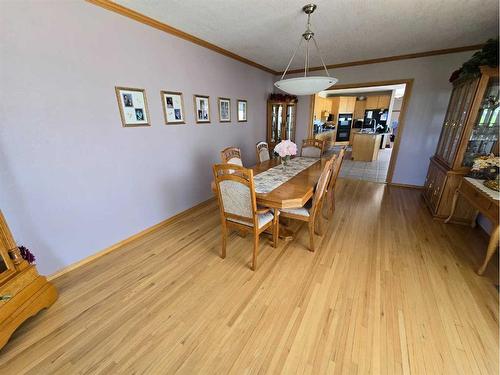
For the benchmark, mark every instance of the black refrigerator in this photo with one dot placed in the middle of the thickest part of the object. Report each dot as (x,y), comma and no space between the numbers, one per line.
(344,127)
(375,117)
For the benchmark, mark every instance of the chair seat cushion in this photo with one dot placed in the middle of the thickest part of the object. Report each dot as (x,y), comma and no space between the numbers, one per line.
(263,219)
(301,211)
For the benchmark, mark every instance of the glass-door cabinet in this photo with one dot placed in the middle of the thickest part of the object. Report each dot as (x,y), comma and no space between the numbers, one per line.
(482,139)
(281,120)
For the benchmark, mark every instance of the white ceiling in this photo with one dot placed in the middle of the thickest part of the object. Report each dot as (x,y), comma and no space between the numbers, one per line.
(267,31)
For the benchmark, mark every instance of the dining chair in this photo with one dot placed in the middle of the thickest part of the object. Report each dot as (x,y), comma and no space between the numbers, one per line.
(231,155)
(312,214)
(238,207)
(262,151)
(329,196)
(312,148)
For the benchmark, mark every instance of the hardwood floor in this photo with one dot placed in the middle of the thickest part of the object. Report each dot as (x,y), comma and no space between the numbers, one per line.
(388,291)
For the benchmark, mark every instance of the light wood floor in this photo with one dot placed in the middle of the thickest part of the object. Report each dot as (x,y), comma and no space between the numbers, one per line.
(389,291)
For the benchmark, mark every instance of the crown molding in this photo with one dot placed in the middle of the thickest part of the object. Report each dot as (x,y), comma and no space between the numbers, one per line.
(124,11)
(393,58)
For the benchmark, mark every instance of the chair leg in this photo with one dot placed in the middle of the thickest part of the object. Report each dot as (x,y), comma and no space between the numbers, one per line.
(276,229)
(255,250)
(318,228)
(224,242)
(311,236)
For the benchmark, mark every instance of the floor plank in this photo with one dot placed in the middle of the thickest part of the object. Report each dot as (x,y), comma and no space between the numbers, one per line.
(389,291)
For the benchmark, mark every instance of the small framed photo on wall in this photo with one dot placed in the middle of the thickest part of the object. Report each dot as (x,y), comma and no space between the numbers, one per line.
(173,107)
(201,109)
(242,110)
(133,106)
(224,110)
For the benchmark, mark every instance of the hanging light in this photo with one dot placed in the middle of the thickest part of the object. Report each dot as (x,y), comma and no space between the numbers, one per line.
(306,85)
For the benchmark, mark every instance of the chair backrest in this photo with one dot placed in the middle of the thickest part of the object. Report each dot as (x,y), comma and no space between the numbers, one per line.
(321,185)
(337,164)
(236,193)
(231,155)
(262,151)
(312,148)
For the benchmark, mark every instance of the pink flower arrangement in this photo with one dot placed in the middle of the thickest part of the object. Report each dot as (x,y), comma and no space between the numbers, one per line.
(286,148)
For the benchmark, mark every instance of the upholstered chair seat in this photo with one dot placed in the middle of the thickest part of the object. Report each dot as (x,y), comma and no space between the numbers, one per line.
(300,211)
(262,219)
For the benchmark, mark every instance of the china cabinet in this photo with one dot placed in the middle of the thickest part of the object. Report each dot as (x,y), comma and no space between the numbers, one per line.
(23,292)
(281,119)
(470,129)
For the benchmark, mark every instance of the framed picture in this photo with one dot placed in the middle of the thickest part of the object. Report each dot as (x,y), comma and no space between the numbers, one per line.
(242,110)
(173,107)
(224,110)
(133,106)
(201,109)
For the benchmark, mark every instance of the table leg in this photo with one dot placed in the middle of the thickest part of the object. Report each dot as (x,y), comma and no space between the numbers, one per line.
(492,246)
(453,206)
(284,234)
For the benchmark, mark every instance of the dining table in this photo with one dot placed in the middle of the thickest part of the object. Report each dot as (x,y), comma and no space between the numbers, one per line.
(291,186)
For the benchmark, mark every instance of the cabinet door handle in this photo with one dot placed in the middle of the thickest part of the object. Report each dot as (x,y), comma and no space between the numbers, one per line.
(5,297)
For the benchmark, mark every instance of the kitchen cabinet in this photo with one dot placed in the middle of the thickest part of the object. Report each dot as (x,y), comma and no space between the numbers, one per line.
(384,101)
(372,102)
(470,129)
(378,101)
(346,104)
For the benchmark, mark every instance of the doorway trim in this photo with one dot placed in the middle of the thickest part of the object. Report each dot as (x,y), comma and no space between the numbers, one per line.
(402,114)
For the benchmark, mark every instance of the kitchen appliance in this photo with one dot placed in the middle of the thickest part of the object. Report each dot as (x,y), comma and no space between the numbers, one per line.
(374,117)
(344,127)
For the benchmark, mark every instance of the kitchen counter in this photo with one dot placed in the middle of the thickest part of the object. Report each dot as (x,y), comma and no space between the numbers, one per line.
(365,146)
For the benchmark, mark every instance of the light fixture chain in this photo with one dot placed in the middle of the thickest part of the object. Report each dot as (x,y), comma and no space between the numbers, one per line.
(321,57)
(294,53)
(307,59)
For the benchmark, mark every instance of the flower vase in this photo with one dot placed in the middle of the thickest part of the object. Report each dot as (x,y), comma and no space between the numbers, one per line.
(284,162)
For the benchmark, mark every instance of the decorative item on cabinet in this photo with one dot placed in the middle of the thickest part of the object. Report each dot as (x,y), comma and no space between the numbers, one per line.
(23,292)
(281,117)
(470,129)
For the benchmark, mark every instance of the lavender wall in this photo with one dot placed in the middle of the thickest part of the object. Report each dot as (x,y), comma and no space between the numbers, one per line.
(424,118)
(72,180)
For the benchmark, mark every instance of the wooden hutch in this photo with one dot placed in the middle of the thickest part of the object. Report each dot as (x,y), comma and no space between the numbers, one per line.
(470,129)
(23,292)
(281,119)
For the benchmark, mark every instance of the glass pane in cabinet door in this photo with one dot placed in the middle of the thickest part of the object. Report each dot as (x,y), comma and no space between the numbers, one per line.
(3,266)
(460,121)
(455,123)
(277,120)
(290,120)
(484,134)
(450,116)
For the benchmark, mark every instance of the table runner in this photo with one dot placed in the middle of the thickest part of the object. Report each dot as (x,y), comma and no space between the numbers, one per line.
(479,184)
(269,180)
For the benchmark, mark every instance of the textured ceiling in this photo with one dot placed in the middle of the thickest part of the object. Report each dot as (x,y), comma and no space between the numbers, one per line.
(267,31)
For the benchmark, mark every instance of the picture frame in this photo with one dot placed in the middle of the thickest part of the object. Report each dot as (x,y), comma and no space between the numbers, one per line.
(242,109)
(133,106)
(173,107)
(201,109)
(224,109)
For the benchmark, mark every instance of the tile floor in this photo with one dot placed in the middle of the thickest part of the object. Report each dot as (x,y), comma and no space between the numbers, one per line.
(375,171)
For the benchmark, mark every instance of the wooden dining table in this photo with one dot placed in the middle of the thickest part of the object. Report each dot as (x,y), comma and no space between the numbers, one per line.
(293,193)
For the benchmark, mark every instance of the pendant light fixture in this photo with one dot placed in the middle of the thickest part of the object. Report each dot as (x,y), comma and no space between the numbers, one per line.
(306,85)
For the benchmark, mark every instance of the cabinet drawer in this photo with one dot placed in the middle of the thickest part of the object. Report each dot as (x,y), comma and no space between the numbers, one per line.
(481,202)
